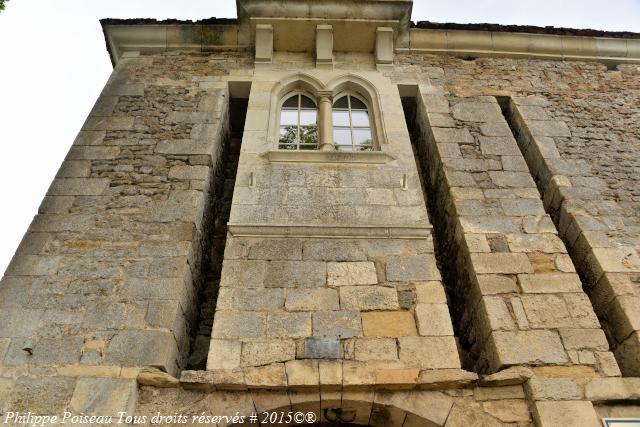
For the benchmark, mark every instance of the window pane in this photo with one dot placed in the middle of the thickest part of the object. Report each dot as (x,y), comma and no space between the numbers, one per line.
(291,102)
(340,118)
(288,118)
(309,135)
(288,134)
(308,117)
(360,118)
(356,104)
(362,136)
(306,102)
(341,103)
(341,136)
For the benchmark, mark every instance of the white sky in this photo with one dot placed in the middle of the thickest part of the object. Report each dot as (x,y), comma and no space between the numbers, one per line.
(53,65)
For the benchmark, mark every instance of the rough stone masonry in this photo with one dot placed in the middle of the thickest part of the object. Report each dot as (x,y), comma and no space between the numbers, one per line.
(478,267)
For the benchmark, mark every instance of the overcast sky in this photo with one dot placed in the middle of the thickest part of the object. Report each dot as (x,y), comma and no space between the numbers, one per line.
(53,65)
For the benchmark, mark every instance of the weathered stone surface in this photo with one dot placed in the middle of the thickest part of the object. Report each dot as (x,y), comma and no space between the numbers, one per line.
(439,379)
(312,299)
(344,324)
(189,172)
(430,293)
(322,348)
(499,145)
(242,273)
(567,413)
(276,249)
(433,320)
(467,413)
(365,298)
(526,347)
(388,324)
(256,353)
(477,111)
(510,376)
(302,373)
(508,410)
(548,128)
(429,352)
(376,349)
(250,299)
(142,348)
(428,405)
(271,376)
(340,251)
(444,135)
(224,354)
(19,322)
(104,396)
(351,273)
(290,274)
(44,395)
(156,378)
(491,284)
(239,324)
(501,263)
(603,389)
(288,325)
(549,283)
(418,267)
(499,393)
(553,389)
(580,339)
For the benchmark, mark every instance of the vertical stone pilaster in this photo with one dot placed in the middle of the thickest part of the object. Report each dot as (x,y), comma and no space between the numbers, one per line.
(522,300)
(592,227)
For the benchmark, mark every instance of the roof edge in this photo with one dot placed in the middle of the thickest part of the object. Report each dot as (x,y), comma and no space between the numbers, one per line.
(530,29)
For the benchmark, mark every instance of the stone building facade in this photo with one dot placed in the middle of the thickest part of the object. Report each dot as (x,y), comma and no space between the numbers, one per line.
(321,207)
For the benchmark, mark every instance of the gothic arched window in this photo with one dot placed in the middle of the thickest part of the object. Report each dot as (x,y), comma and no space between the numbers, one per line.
(298,123)
(351,124)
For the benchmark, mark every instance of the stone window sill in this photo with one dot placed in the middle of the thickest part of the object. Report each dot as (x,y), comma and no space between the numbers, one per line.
(367,157)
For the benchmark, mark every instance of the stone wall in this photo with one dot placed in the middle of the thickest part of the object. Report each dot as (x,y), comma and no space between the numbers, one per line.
(105,279)
(331,299)
(583,160)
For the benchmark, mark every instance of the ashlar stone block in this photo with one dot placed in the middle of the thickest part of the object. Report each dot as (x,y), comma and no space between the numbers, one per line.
(257,353)
(477,112)
(312,299)
(351,273)
(433,320)
(224,354)
(430,293)
(276,249)
(376,349)
(239,324)
(143,348)
(365,298)
(565,413)
(429,352)
(408,268)
(525,347)
(549,283)
(289,274)
(344,324)
(104,396)
(501,263)
(388,324)
(282,324)
(322,348)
